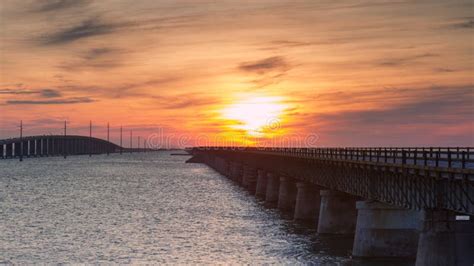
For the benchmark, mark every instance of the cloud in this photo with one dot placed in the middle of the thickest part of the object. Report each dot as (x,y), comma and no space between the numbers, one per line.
(55,5)
(425,116)
(392,62)
(435,105)
(72,100)
(95,26)
(443,70)
(183,101)
(16,91)
(96,58)
(49,93)
(88,28)
(265,65)
(44,93)
(94,53)
(464,25)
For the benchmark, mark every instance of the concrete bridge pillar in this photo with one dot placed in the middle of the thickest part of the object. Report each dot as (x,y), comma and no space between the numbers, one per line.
(16,149)
(307,202)
(48,148)
(41,149)
(385,231)
(219,165)
(35,147)
(287,194)
(445,241)
(249,179)
(338,213)
(52,148)
(261,188)
(9,150)
(237,172)
(24,148)
(31,147)
(2,149)
(273,189)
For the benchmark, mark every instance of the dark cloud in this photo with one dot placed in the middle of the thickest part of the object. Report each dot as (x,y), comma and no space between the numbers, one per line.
(464,25)
(73,100)
(425,116)
(100,52)
(126,90)
(44,93)
(96,58)
(88,28)
(265,65)
(55,5)
(183,101)
(16,91)
(437,105)
(392,62)
(442,69)
(290,44)
(49,93)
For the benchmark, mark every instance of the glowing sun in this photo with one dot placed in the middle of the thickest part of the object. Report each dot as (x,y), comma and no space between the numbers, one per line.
(255,115)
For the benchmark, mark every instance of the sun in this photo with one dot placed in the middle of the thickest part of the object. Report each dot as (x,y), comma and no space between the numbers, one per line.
(255,115)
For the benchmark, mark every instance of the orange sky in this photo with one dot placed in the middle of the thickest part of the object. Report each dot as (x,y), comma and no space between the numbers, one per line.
(327,73)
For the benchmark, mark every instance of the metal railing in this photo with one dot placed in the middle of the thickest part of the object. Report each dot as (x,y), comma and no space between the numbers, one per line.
(447,157)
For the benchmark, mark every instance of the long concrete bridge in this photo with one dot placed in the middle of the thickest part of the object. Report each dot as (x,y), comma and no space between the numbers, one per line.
(399,202)
(55,145)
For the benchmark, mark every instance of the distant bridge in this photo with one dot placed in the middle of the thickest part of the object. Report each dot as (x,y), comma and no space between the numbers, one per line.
(400,202)
(55,145)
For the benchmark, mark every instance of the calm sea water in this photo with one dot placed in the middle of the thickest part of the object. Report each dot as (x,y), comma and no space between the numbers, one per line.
(145,208)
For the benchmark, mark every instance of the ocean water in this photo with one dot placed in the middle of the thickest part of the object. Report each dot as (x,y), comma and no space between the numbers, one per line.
(145,208)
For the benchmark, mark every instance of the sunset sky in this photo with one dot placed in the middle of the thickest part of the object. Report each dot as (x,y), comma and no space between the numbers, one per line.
(339,73)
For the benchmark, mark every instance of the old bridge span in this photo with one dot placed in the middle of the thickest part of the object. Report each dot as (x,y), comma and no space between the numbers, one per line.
(399,202)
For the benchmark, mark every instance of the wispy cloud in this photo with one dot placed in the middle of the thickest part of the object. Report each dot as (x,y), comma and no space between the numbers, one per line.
(86,29)
(95,53)
(73,100)
(49,93)
(183,101)
(433,105)
(392,62)
(16,91)
(45,93)
(265,65)
(56,5)
(469,24)
(96,58)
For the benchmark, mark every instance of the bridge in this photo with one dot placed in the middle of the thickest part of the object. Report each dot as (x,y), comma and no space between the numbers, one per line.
(55,145)
(413,203)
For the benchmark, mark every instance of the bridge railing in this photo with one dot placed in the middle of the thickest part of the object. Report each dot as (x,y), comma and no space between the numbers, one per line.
(449,157)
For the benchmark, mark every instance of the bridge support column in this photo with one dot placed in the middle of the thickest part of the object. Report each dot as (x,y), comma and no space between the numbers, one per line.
(445,241)
(338,213)
(261,188)
(219,164)
(24,148)
(273,188)
(237,172)
(16,149)
(1,151)
(287,194)
(48,147)
(249,180)
(385,231)
(9,150)
(307,202)
(31,148)
(41,149)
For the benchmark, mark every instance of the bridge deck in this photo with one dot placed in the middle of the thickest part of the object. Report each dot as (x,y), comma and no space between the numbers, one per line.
(422,178)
